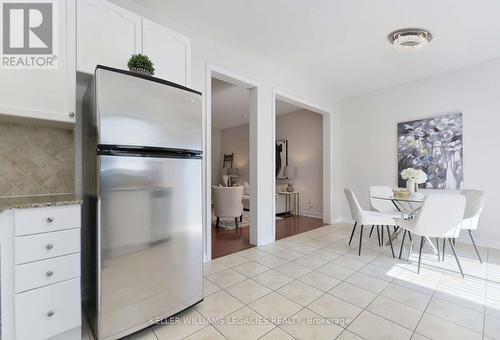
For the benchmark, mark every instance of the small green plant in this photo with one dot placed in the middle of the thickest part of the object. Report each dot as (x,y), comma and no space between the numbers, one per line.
(141,62)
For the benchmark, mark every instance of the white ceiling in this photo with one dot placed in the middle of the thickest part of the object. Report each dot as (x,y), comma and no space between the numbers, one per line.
(343,43)
(283,108)
(230,105)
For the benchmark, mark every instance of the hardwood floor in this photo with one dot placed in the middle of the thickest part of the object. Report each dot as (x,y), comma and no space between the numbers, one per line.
(225,242)
(295,225)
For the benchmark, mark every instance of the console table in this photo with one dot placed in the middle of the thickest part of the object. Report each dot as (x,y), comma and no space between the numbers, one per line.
(292,202)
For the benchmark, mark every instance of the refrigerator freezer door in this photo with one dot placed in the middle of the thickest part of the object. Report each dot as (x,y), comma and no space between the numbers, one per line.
(135,111)
(150,231)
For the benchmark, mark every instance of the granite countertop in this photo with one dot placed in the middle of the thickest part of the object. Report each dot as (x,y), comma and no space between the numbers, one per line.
(26,202)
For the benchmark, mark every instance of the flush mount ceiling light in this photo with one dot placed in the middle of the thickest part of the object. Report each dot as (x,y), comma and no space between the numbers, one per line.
(410,38)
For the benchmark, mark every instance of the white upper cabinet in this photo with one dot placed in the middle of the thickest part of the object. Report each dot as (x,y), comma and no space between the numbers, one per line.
(169,51)
(106,35)
(37,91)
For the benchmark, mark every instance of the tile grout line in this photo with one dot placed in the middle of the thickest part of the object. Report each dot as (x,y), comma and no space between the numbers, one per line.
(379,294)
(371,262)
(276,291)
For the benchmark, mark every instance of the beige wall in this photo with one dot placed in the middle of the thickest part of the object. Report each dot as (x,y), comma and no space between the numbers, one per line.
(35,160)
(216,156)
(236,140)
(304,131)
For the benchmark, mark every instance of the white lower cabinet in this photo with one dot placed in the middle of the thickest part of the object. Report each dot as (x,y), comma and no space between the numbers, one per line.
(43,246)
(48,311)
(40,274)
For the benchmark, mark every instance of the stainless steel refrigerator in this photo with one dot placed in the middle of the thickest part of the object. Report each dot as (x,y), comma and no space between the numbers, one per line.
(142,183)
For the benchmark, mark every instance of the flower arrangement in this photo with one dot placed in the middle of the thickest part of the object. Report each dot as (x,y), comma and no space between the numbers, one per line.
(141,63)
(415,175)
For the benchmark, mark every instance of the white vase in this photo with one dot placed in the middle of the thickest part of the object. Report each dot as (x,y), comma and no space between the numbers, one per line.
(410,185)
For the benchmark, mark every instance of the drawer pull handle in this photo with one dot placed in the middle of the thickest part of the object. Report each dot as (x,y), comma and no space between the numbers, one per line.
(50,313)
(49,246)
(49,273)
(50,219)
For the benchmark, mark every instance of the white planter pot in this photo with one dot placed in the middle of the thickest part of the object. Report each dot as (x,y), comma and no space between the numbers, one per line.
(410,186)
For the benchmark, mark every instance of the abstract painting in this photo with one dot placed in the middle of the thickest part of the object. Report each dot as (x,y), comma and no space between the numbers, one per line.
(281,157)
(435,146)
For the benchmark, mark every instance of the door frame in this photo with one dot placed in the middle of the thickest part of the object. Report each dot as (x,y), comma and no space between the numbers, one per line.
(328,151)
(213,71)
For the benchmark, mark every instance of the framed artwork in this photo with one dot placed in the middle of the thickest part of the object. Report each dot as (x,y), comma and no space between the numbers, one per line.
(281,157)
(434,145)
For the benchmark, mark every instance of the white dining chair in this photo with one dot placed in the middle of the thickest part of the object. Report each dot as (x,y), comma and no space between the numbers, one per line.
(473,207)
(440,216)
(382,205)
(365,217)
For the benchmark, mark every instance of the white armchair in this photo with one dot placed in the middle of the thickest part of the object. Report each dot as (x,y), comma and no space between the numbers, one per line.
(473,207)
(228,203)
(246,196)
(440,216)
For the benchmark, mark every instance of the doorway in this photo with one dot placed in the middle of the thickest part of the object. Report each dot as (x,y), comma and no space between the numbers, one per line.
(231,106)
(302,200)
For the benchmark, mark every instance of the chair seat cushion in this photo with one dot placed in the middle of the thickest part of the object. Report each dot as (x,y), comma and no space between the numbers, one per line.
(376,218)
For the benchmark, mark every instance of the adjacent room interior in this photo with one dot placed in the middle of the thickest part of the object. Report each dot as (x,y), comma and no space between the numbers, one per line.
(298,170)
(230,168)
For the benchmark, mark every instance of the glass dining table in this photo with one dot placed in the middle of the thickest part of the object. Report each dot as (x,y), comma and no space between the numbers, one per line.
(408,208)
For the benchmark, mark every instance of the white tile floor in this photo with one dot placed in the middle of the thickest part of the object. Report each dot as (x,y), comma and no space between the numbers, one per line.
(314,286)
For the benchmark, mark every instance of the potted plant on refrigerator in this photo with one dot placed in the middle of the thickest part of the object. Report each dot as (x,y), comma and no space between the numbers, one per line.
(140,63)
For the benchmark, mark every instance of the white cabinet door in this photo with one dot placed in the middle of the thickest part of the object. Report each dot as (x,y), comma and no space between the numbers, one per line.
(45,93)
(169,51)
(106,35)
(48,311)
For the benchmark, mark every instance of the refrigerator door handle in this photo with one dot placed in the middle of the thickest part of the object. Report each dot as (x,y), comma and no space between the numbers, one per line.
(130,151)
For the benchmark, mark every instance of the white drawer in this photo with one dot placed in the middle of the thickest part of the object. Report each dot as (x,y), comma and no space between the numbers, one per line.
(42,220)
(43,246)
(47,311)
(41,273)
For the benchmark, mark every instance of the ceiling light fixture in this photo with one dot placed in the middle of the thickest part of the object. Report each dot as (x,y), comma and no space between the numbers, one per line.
(410,38)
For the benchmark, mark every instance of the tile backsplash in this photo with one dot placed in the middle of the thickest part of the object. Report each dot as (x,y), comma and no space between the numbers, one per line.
(35,160)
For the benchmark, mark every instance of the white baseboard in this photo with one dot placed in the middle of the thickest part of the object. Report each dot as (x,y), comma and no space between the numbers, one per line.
(481,242)
(311,214)
(342,219)
(464,237)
